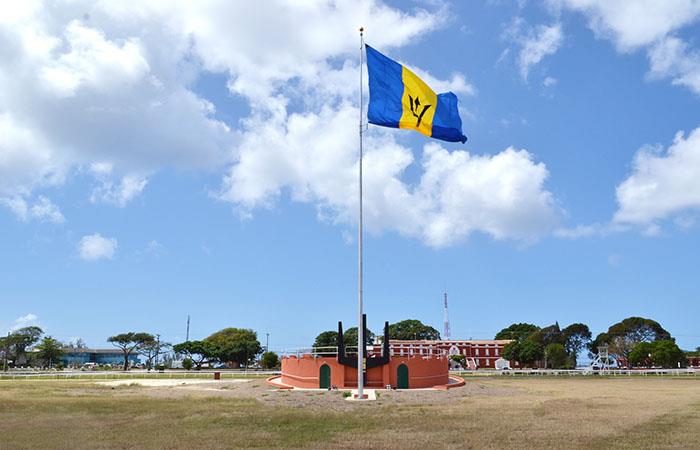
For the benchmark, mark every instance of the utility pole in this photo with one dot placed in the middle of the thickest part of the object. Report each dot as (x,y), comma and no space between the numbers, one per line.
(157,348)
(187,335)
(267,342)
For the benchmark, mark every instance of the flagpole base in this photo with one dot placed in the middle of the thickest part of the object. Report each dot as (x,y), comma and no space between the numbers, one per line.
(367,396)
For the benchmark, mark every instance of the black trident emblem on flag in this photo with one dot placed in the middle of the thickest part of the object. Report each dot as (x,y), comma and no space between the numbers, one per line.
(415,109)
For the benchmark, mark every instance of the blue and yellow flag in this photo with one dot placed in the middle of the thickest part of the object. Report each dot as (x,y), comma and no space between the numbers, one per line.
(399,99)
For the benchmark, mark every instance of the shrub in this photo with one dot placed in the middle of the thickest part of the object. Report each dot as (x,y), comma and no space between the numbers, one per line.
(269,360)
(187,364)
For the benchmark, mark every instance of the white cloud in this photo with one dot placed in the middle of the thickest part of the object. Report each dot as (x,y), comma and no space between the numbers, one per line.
(549,81)
(671,57)
(93,62)
(26,159)
(535,43)
(104,92)
(634,24)
(546,41)
(74,92)
(648,24)
(94,247)
(501,195)
(17,205)
(106,88)
(43,209)
(313,158)
(119,194)
(663,183)
(27,320)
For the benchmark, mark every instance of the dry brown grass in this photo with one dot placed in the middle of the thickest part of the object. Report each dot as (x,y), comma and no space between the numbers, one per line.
(487,413)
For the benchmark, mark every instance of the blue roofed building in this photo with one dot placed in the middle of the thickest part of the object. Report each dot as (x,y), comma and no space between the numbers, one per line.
(80,356)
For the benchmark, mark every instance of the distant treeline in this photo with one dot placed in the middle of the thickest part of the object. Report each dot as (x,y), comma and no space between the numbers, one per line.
(633,342)
(233,347)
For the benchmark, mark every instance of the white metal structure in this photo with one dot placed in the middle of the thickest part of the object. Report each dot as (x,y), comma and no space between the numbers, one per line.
(602,361)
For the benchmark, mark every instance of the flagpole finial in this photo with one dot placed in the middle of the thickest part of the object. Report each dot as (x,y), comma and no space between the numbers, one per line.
(362,29)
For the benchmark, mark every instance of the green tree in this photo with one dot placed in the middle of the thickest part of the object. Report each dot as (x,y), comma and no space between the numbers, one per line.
(511,351)
(640,355)
(350,337)
(664,353)
(326,339)
(622,337)
(517,331)
(196,351)
(151,350)
(234,345)
(20,340)
(187,364)
(547,335)
(130,342)
(49,351)
(556,356)
(269,360)
(577,336)
(667,354)
(530,352)
(4,351)
(412,330)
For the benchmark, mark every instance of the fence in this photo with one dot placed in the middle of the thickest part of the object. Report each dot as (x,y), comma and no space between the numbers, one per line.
(116,375)
(689,372)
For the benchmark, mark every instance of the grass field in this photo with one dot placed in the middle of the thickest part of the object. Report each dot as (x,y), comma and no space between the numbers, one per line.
(486,413)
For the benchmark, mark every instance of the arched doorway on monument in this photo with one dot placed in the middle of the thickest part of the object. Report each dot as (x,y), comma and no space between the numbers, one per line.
(324,377)
(402,376)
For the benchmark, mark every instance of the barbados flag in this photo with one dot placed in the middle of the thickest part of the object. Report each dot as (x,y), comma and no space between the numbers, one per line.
(399,99)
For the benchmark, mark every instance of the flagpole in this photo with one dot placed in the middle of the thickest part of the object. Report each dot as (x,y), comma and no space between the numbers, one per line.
(360,327)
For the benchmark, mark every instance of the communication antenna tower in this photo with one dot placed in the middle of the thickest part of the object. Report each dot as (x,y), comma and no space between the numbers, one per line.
(446,318)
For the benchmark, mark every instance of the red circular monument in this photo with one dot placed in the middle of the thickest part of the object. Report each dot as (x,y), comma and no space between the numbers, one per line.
(325,370)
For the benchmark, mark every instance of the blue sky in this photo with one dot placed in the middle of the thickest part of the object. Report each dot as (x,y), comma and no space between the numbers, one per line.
(157,162)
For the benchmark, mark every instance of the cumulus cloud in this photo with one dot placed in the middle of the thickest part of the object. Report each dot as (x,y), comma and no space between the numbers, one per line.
(663,183)
(26,320)
(91,85)
(74,92)
(26,158)
(647,24)
(313,159)
(94,62)
(95,247)
(535,42)
(631,25)
(671,57)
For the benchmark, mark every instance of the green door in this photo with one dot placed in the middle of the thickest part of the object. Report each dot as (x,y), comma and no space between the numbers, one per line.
(324,377)
(402,376)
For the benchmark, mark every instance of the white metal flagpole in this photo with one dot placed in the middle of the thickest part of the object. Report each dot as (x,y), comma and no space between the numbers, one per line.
(360,327)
